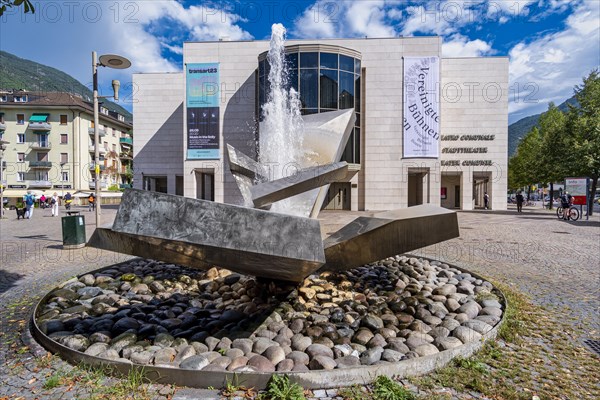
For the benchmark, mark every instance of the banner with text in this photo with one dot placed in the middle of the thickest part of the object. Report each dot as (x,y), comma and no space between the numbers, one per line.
(421,132)
(202,103)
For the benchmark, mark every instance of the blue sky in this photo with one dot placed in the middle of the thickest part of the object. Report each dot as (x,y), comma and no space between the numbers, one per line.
(551,44)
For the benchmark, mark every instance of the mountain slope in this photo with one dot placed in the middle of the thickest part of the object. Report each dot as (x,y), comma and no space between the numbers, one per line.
(19,73)
(517,130)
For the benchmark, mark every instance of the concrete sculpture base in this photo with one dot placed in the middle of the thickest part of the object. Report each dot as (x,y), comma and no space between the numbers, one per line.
(244,240)
(369,239)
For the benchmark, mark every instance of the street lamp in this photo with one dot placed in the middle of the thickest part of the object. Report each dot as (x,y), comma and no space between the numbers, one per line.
(111,61)
(2,148)
(62,180)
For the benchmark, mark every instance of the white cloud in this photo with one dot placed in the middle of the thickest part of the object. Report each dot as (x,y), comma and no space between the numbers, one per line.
(547,68)
(461,46)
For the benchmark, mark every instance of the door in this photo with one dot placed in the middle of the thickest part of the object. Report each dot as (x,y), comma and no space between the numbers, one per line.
(457,196)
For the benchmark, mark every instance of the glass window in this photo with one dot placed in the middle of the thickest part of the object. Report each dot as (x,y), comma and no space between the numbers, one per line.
(20,176)
(64,138)
(20,119)
(65,176)
(261,68)
(64,158)
(329,89)
(21,157)
(329,60)
(309,60)
(346,90)
(309,88)
(307,111)
(63,119)
(42,156)
(357,66)
(357,93)
(292,60)
(346,63)
(20,138)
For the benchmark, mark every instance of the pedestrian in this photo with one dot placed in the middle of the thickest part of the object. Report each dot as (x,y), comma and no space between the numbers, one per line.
(519,202)
(92,202)
(486,200)
(29,201)
(68,200)
(43,201)
(54,204)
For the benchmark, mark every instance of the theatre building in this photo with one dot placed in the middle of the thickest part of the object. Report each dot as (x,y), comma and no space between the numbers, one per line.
(428,129)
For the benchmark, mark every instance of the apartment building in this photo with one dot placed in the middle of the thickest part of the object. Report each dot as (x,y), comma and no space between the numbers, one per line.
(49,145)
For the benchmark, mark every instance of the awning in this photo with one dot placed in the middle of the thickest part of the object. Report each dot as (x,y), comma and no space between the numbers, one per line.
(23,192)
(39,118)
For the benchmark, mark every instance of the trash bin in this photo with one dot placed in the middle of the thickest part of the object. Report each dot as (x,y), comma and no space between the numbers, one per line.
(73,231)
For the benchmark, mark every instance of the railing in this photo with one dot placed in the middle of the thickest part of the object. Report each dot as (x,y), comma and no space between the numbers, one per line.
(126,155)
(101,132)
(40,184)
(40,164)
(101,149)
(103,185)
(93,166)
(40,126)
(40,145)
(126,141)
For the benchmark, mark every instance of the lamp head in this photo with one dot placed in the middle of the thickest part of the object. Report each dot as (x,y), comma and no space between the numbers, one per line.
(114,61)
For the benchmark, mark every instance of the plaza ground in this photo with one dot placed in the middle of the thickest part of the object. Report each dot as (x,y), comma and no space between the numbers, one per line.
(554,263)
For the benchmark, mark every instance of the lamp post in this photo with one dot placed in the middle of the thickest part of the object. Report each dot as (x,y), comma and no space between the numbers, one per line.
(2,148)
(62,180)
(111,61)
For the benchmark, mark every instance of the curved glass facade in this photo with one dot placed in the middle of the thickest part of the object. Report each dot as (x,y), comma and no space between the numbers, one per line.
(326,81)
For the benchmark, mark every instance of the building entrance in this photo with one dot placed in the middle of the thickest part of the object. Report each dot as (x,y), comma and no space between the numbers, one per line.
(205,185)
(338,196)
(418,186)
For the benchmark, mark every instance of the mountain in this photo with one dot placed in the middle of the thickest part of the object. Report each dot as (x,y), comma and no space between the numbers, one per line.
(18,73)
(517,130)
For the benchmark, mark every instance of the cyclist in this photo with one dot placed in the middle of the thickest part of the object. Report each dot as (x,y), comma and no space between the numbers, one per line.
(566,200)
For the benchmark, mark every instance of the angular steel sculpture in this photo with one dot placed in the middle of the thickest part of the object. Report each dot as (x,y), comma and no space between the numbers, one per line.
(244,240)
(369,239)
(265,194)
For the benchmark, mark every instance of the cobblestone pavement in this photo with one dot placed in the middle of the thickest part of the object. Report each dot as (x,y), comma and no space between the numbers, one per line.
(554,262)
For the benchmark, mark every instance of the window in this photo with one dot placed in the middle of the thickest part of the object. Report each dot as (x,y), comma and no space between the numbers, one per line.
(20,138)
(42,156)
(64,138)
(114,147)
(1,117)
(120,117)
(20,119)
(20,99)
(42,175)
(20,176)
(21,157)
(63,119)
(106,146)
(104,110)
(65,176)
(3,99)
(64,158)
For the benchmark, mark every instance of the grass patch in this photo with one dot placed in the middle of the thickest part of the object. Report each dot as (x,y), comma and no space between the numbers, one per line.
(280,388)
(385,388)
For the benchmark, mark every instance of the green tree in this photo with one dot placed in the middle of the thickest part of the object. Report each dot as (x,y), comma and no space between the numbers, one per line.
(525,168)
(5,4)
(556,154)
(584,131)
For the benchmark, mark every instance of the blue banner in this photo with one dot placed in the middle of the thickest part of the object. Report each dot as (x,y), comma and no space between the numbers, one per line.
(203,112)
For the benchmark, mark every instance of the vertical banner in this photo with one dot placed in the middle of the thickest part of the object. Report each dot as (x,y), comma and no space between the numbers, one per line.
(421,133)
(578,188)
(202,103)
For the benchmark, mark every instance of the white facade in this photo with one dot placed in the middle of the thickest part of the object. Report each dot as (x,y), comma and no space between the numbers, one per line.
(474,101)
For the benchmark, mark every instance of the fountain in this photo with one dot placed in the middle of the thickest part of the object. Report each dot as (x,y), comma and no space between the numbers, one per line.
(328,312)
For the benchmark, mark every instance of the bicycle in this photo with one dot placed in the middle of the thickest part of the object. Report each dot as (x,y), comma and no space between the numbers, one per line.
(572,215)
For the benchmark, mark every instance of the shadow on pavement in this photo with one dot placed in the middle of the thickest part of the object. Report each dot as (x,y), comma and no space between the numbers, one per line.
(8,280)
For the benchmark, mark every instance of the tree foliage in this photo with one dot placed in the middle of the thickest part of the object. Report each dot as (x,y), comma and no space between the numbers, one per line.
(27,6)
(566,143)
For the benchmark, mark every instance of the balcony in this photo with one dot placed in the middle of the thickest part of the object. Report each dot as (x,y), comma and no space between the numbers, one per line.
(40,126)
(92,149)
(103,185)
(40,184)
(126,155)
(93,166)
(127,141)
(101,132)
(40,164)
(2,126)
(40,145)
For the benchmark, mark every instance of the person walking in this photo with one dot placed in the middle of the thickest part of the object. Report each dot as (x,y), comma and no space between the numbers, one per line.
(566,201)
(519,202)
(92,202)
(54,204)
(68,200)
(486,200)
(43,202)
(29,201)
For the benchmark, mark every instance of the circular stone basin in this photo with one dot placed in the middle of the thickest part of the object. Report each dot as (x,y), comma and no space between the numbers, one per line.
(401,316)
